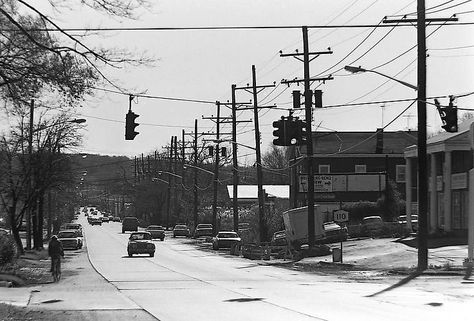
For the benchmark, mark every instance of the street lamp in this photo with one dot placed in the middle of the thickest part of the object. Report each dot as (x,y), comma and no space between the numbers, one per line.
(354,70)
(199,168)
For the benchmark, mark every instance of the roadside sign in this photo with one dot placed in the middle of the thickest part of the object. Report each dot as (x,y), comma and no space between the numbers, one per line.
(341,216)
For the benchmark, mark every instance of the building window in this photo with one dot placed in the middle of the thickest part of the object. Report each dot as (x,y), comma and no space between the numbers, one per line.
(324,169)
(361,168)
(400,174)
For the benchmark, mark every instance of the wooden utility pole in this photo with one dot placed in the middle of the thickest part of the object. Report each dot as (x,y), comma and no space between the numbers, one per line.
(308,94)
(168,196)
(421,113)
(217,151)
(195,187)
(30,179)
(261,195)
(235,164)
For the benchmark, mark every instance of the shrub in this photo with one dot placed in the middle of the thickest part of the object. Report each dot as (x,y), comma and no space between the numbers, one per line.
(7,249)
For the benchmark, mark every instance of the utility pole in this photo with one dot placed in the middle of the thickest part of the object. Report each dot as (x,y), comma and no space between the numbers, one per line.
(216,171)
(175,165)
(261,195)
(30,180)
(308,115)
(235,164)
(170,168)
(421,113)
(422,157)
(195,187)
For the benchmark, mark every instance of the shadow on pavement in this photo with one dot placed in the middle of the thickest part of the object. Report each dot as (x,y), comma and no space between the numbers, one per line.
(398,284)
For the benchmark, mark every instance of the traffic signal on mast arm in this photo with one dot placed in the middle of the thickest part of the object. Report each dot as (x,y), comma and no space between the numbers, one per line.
(130,125)
(449,115)
(302,137)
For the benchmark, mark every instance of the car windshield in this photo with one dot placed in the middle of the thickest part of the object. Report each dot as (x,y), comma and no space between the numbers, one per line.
(330,226)
(140,236)
(227,235)
(204,226)
(154,227)
(372,220)
(66,234)
(180,227)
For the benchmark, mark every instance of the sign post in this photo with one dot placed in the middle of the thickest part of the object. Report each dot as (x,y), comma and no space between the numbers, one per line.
(341,216)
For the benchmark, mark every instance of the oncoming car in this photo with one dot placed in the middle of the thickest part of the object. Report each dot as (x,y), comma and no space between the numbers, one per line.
(140,243)
(156,231)
(180,230)
(225,240)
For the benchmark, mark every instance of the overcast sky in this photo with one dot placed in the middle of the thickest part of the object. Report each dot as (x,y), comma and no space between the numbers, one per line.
(202,65)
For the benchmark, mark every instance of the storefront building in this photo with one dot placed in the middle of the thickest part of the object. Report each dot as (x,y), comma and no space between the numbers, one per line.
(449,161)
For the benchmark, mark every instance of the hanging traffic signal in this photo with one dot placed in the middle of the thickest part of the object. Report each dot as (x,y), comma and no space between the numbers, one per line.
(211,150)
(224,152)
(449,116)
(302,134)
(130,125)
(280,133)
(296,99)
(318,98)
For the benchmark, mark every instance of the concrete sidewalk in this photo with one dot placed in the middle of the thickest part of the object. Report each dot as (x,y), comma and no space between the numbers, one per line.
(81,290)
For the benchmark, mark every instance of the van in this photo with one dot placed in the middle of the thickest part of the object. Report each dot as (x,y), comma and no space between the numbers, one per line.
(129,223)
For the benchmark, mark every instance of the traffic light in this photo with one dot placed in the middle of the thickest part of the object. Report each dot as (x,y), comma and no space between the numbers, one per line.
(296,99)
(302,134)
(318,98)
(224,152)
(449,116)
(211,150)
(279,132)
(130,125)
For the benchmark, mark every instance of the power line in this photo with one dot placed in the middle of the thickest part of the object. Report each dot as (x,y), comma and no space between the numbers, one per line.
(157,97)
(275,27)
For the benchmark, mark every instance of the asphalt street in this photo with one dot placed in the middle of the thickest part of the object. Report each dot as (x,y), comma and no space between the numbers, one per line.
(184,282)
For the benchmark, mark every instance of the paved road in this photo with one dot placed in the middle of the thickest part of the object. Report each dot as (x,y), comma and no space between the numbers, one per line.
(185,283)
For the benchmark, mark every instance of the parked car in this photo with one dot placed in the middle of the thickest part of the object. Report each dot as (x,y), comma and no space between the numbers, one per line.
(372,225)
(116,219)
(140,243)
(129,223)
(105,219)
(203,230)
(156,231)
(279,239)
(181,230)
(225,240)
(70,239)
(73,226)
(111,218)
(94,220)
(402,219)
(333,232)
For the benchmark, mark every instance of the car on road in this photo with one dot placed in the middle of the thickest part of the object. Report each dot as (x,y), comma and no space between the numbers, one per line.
(116,219)
(70,239)
(225,239)
(156,231)
(402,220)
(181,230)
(105,219)
(203,230)
(140,243)
(333,232)
(129,223)
(95,220)
(371,225)
(111,218)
